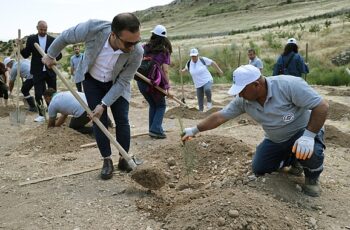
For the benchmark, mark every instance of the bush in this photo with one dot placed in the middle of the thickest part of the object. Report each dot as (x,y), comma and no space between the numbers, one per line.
(335,76)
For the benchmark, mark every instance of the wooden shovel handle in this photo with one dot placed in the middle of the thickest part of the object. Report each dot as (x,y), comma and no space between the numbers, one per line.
(148,81)
(87,109)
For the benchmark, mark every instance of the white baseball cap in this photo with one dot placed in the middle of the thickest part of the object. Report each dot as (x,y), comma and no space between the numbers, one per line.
(159,30)
(243,76)
(194,52)
(7,60)
(292,41)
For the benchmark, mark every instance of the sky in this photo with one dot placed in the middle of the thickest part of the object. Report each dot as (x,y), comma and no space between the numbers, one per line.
(62,14)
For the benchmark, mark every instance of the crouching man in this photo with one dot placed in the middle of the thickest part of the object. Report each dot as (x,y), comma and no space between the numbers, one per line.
(292,115)
(66,104)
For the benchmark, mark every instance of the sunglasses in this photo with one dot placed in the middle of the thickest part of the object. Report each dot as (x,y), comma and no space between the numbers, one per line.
(126,43)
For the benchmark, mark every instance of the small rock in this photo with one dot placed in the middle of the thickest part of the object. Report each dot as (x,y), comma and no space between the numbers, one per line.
(233,213)
(171,161)
(313,221)
(171,185)
(149,228)
(298,188)
(221,221)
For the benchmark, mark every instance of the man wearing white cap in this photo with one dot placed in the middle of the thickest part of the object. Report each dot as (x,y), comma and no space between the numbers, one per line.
(201,76)
(26,77)
(292,115)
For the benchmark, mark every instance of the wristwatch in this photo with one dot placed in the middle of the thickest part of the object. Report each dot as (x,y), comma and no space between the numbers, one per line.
(103,105)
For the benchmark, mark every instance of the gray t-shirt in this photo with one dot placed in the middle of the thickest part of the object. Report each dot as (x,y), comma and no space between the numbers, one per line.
(256,62)
(24,70)
(286,109)
(66,104)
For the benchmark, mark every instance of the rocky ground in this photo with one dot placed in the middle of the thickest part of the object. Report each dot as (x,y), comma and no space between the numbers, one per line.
(209,184)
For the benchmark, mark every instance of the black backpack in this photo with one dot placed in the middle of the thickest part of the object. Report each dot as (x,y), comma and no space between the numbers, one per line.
(145,67)
(189,61)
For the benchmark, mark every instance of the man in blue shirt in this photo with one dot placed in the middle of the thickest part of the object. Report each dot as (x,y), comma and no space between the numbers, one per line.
(254,60)
(292,115)
(74,62)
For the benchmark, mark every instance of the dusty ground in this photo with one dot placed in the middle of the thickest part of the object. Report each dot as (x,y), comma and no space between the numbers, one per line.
(219,193)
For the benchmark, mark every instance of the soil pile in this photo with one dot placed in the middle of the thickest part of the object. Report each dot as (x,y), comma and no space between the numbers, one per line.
(337,92)
(338,111)
(336,137)
(213,190)
(189,113)
(5,111)
(56,140)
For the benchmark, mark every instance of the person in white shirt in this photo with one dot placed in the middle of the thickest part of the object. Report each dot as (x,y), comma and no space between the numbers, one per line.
(66,104)
(202,78)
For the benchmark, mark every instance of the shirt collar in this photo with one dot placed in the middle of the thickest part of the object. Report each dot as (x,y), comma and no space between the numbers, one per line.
(108,46)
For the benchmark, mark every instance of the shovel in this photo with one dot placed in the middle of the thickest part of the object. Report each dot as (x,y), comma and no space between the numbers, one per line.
(148,182)
(18,116)
(181,76)
(148,81)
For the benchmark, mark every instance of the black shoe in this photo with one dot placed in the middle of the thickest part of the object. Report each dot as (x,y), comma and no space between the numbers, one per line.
(123,165)
(107,169)
(33,109)
(157,135)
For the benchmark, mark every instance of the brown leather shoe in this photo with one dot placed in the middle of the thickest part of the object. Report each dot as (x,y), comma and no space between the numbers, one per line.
(107,169)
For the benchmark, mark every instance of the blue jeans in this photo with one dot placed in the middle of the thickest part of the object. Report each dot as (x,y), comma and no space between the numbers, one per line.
(157,106)
(94,92)
(270,156)
(205,89)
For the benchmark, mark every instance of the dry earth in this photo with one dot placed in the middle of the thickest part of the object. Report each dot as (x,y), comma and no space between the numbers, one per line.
(219,193)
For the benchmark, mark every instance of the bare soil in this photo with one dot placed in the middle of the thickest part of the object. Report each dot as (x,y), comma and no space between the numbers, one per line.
(208,181)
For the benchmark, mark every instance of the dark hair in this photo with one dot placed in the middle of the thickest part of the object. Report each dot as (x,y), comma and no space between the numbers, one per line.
(251,50)
(290,47)
(3,68)
(125,21)
(158,44)
(49,92)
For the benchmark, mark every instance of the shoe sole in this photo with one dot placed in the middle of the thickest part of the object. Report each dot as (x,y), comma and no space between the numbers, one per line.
(106,177)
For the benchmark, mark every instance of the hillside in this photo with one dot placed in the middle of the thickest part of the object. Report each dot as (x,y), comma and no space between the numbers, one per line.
(193,17)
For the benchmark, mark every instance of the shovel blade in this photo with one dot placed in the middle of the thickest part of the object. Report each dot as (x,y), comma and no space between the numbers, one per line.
(17,117)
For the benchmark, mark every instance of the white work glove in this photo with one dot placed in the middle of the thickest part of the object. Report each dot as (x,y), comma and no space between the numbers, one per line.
(304,146)
(188,133)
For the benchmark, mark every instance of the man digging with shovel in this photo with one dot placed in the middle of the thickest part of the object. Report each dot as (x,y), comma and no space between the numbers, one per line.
(292,115)
(112,56)
(26,77)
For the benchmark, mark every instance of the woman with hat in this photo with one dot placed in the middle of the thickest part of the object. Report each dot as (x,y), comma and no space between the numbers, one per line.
(290,62)
(158,49)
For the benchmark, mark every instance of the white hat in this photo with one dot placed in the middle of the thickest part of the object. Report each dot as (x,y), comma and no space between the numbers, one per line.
(194,52)
(292,41)
(7,60)
(243,76)
(159,30)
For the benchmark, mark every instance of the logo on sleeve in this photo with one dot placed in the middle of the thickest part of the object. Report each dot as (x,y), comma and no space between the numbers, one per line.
(288,117)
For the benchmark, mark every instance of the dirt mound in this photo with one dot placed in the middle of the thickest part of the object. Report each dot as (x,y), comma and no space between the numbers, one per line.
(189,113)
(338,92)
(52,141)
(338,111)
(151,178)
(336,137)
(213,190)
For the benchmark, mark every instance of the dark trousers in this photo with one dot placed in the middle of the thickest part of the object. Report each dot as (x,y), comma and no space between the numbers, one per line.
(270,156)
(4,91)
(94,92)
(26,87)
(79,87)
(40,80)
(78,124)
